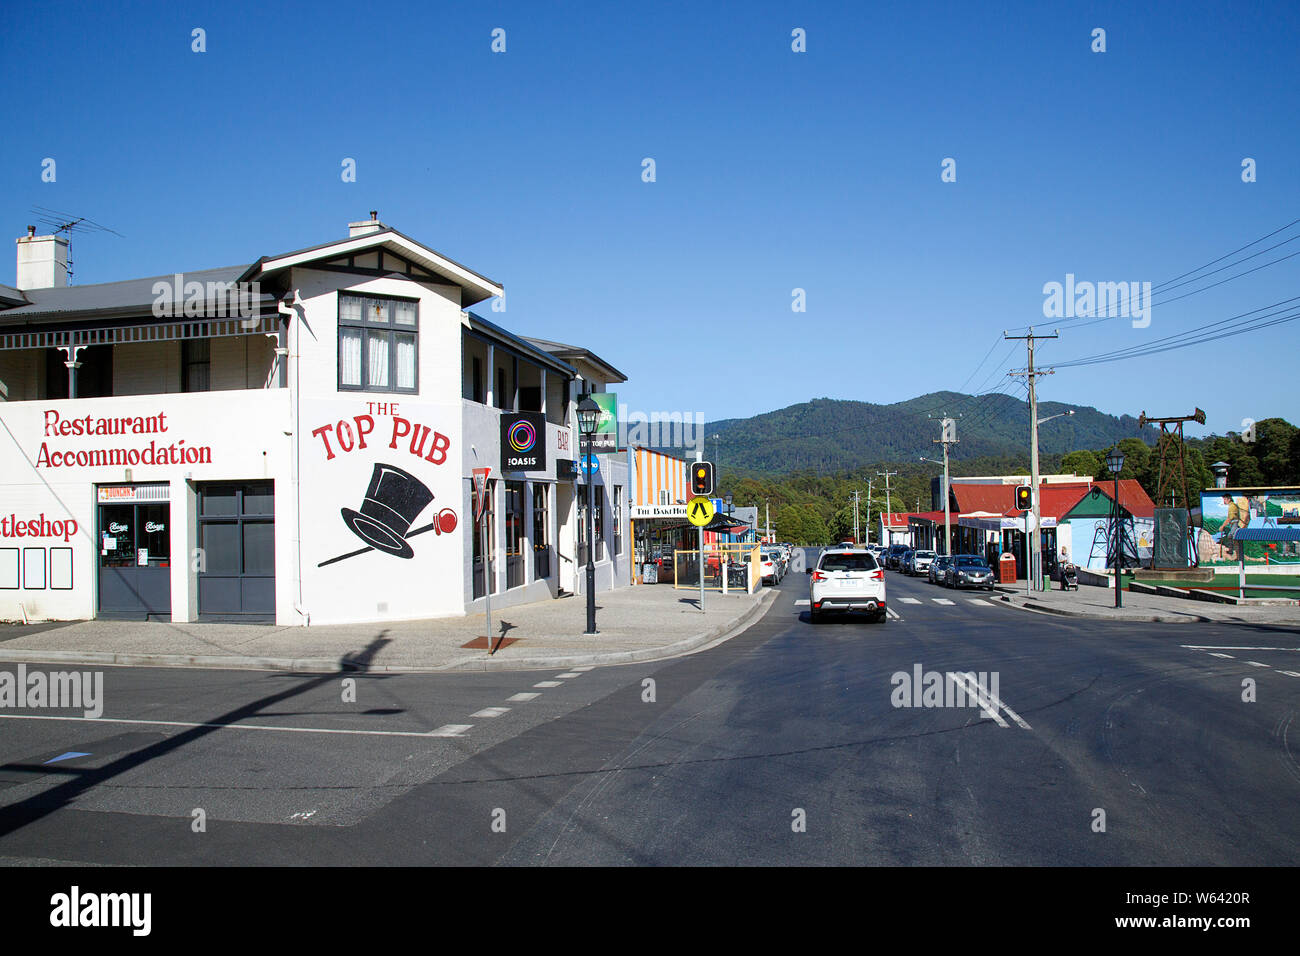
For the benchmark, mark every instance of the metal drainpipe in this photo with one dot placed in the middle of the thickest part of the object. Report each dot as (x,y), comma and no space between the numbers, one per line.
(294,383)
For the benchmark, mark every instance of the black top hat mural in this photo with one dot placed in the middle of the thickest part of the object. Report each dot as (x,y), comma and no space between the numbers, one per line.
(394,499)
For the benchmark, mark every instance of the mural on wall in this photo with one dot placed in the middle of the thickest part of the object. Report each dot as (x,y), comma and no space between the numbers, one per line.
(393,500)
(1225,510)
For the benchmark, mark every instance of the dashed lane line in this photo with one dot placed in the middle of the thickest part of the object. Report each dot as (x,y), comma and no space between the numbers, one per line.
(567,676)
(548,683)
(1225,656)
(522,698)
(491,712)
(450,730)
(1256,664)
(1233,647)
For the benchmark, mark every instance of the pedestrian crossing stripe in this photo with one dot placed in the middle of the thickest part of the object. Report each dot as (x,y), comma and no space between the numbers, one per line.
(943,601)
(911,600)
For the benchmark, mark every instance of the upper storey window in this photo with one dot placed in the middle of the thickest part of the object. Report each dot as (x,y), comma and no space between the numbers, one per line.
(378,344)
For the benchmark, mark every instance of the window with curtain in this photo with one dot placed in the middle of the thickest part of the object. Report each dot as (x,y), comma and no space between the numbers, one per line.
(378,344)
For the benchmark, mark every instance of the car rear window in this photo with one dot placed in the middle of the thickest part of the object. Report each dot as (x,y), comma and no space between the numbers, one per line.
(848,562)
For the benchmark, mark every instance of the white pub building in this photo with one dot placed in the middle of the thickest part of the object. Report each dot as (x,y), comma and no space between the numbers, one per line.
(292,441)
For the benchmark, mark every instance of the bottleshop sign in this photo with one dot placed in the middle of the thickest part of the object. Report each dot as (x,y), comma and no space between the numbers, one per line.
(87,441)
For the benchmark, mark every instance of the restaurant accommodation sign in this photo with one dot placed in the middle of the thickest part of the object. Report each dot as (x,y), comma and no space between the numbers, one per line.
(114,441)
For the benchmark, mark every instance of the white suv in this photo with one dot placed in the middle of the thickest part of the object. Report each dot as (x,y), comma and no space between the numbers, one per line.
(846,580)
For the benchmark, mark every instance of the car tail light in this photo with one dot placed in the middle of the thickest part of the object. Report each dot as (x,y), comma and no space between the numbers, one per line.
(818,576)
(877,575)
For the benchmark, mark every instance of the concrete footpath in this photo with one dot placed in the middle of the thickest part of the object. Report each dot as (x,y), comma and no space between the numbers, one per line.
(1099,604)
(633,624)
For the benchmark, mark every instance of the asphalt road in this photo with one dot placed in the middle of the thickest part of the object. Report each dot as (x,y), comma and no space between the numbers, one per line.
(780,746)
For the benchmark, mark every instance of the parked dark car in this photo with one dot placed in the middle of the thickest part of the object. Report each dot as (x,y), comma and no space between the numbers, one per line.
(937,568)
(969,571)
(894,555)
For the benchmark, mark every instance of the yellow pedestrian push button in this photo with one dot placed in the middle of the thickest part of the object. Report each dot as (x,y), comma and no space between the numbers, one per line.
(699,511)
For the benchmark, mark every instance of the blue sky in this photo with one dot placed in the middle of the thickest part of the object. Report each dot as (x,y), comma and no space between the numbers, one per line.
(775,170)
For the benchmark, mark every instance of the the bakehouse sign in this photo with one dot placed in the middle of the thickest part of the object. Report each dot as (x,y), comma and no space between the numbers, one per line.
(127,449)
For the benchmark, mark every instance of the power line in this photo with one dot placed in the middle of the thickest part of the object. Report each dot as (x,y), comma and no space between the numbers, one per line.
(1189,336)
(1168,284)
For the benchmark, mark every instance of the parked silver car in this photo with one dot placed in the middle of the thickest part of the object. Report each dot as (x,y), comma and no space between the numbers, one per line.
(969,571)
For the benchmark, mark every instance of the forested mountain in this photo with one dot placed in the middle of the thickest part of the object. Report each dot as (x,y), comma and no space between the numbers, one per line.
(829,435)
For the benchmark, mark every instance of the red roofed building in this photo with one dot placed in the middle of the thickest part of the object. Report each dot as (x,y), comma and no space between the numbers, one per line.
(1075,514)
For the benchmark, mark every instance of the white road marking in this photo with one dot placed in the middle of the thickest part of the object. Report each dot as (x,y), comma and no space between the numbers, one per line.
(1227,656)
(802,602)
(219,726)
(521,698)
(1256,664)
(943,601)
(975,690)
(583,670)
(1234,647)
(450,730)
(548,683)
(979,601)
(566,676)
(491,712)
(992,698)
(911,601)
(1290,673)
(890,612)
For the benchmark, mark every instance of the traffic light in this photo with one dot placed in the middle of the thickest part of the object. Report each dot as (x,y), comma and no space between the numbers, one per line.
(702,478)
(1024,498)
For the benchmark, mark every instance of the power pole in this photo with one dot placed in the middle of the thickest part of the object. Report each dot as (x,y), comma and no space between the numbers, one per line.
(889,502)
(948,437)
(855,516)
(1031,375)
(867,525)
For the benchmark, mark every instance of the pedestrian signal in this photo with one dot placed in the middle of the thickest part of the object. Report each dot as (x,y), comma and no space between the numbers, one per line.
(702,478)
(1024,498)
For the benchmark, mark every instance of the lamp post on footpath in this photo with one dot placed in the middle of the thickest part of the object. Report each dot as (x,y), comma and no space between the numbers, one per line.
(1115,462)
(588,417)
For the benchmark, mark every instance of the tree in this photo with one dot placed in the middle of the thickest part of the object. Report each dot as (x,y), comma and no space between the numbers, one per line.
(1272,450)
(789,525)
(1083,463)
(814,527)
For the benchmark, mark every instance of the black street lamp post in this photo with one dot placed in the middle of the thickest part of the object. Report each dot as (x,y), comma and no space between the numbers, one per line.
(588,417)
(1115,462)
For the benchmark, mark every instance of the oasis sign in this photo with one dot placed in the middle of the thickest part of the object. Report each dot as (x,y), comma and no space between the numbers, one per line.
(523,441)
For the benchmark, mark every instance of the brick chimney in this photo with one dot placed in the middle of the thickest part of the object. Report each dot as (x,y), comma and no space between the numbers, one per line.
(42,261)
(366,225)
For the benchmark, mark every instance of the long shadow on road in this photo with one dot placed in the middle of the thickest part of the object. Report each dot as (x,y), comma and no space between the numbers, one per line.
(38,806)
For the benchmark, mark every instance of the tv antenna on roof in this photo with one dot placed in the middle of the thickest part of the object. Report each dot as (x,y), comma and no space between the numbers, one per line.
(67,224)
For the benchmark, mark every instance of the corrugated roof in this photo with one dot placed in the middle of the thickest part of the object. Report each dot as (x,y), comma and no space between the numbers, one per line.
(998,499)
(570,352)
(128,297)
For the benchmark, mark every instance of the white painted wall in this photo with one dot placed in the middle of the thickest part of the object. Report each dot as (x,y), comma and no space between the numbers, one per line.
(246,440)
